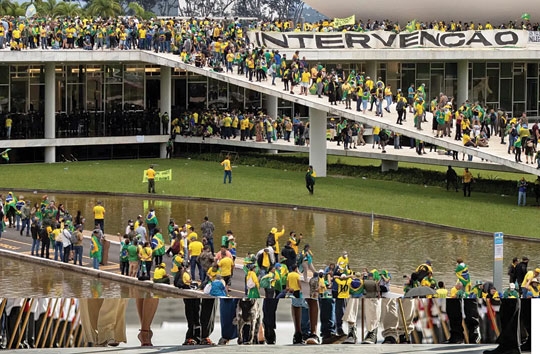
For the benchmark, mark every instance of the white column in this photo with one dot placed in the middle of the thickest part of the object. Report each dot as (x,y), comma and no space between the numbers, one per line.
(371,69)
(317,141)
(165,93)
(163,150)
(50,119)
(270,105)
(462,81)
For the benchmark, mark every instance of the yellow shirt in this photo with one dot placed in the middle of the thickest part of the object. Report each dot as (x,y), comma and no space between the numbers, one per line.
(293,281)
(99,212)
(226,164)
(344,285)
(195,248)
(150,173)
(528,276)
(145,254)
(226,265)
(160,273)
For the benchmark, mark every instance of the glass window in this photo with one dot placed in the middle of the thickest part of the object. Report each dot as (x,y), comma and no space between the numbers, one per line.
(18,95)
(236,97)
(134,87)
(180,94)
(506,94)
(196,95)
(217,94)
(113,73)
(76,73)
(450,70)
(4,74)
(4,99)
(253,100)
(75,98)
(422,71)
(301,110)
(506,70)
(479,70)
(37,98)
(519,86)
(532,94)
(532,69)
(492,85)
(113,97)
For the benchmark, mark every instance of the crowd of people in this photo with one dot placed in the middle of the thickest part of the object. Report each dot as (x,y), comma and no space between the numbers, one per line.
(170,35)
(274,272)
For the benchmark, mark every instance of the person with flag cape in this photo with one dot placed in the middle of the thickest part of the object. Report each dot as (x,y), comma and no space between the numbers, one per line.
(151,221)
(10,209)
(96,250)
(5,155)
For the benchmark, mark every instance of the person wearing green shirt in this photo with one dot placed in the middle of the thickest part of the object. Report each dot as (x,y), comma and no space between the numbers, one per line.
(96,250)
(124,259)
(133,258)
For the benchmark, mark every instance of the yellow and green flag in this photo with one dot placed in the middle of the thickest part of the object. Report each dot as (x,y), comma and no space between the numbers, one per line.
(347,21)
(160,176)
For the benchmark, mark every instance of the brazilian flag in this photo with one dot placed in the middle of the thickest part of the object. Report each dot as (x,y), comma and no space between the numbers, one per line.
(96,250)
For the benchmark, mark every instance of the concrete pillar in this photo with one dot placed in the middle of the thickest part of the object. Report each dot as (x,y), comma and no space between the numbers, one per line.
(387,165)
(165,94)
(371,69)
(462,81)
(270,105)
(163,150)
(50,119)
(317,141)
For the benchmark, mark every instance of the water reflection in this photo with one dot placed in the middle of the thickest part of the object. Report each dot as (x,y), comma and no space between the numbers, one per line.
(42,281)
(395,246)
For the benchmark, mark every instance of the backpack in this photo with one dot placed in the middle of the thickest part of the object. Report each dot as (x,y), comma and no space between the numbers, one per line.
(270,240)
(266,282)
(400,105)
(175,248)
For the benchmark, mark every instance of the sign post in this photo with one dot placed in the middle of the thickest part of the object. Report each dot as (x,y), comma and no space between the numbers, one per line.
(498,246)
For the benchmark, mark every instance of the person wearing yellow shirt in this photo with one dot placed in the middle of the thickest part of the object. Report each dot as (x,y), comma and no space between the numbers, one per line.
(275,242)
(304,82)
(227,169)
(343,261)
(151,175)
(344,286)
(99,215)
(142,38)
(160,275)
(195,248)
(252,282)
(418,113)
(467,180)
(230,59)
(527,280)
(145,255)
(226,268)
(441,292)
(388,97)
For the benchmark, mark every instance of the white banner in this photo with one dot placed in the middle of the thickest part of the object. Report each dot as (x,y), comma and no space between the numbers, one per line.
(385,39)
(534,36)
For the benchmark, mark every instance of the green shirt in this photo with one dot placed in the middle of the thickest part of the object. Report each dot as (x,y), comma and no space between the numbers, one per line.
(133,254)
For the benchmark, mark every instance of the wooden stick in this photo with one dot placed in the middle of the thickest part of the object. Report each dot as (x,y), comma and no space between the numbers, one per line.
(42,326)
(55,331)
(25,323)
(64,327)
(402,317)
(72,331)
(363,325)
(19,317)
(79,335)
(442,320)
(3,306)
(49,320)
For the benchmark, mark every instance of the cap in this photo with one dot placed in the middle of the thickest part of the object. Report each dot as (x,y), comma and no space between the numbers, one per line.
(478,282)
(273,230)
(428,262)
(534,280)
(537,270)
(231,237)
(321,271)
(512,286)
(277,265)
(162,265)
(343,275)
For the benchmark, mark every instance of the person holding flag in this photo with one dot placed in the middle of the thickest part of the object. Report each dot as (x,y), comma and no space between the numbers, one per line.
(96,250)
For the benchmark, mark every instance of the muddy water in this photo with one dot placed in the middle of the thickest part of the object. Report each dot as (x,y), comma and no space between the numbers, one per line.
(396,246)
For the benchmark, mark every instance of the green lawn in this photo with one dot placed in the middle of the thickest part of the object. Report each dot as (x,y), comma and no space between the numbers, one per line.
(193,178)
